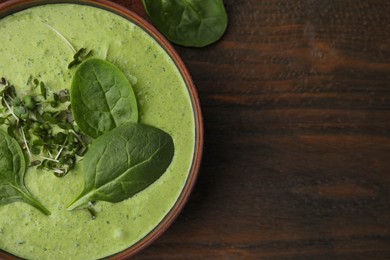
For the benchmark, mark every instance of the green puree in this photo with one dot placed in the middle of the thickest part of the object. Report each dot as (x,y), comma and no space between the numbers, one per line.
(30,47)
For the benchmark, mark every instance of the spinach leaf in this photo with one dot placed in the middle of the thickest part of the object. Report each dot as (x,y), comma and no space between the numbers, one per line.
(123,162)
(194,23)
(101,97)
(12,172)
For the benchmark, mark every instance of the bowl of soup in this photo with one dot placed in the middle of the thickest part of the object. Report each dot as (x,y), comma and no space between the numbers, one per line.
(35,43)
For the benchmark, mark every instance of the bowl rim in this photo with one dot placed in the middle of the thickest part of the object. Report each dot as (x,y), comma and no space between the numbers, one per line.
(12,6)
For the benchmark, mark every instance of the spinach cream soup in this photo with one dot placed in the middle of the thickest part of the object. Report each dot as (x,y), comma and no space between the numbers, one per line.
(30,47)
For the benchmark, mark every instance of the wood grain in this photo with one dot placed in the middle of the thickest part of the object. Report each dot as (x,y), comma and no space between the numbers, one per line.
(296,103)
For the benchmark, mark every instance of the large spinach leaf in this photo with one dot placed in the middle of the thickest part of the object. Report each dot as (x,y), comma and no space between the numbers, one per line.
(12,172)
(101,98)
(123,162)
(189,22)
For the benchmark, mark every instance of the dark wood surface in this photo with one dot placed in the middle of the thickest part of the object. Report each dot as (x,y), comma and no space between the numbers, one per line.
(296,104)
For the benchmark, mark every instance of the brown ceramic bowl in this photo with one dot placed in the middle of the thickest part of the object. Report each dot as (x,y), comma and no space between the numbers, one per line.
(12,6)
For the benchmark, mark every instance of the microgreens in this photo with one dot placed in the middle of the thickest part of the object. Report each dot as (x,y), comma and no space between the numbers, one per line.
(44,126)
(79,57)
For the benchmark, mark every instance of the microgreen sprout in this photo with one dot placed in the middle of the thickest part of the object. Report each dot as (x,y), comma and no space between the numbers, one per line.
(91,209)
(62,37)
(43,125)
(79,57)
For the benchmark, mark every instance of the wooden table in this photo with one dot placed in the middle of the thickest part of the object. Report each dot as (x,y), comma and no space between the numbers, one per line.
(296,104)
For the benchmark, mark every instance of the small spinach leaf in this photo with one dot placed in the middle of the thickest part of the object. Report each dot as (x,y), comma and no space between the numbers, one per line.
(123,162)
(101,97)
(194,23)
(12,172)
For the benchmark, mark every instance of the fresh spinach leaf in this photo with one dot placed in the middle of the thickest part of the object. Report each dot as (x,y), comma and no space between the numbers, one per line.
(123,162)
(101,97)
(12,172)
(194,23)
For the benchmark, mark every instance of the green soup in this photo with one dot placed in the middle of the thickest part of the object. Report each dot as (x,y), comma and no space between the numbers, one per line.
(30,47)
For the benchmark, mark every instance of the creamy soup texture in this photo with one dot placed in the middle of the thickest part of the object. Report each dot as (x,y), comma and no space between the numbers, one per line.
(29,47)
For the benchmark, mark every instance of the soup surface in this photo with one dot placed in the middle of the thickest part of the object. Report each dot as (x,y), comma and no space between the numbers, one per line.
(29,47)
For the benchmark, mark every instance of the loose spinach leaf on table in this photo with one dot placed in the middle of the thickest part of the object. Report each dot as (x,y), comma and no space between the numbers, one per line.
(194,23)
(12,172)
(123,162)
(101,97)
